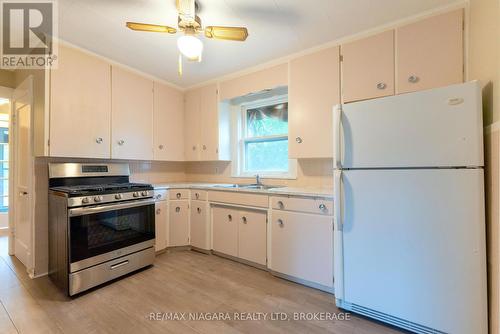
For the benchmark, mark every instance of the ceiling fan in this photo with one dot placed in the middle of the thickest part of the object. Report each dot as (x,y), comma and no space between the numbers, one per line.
(190,25)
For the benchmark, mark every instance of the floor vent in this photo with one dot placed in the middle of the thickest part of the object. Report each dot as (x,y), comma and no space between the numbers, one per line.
(411,326)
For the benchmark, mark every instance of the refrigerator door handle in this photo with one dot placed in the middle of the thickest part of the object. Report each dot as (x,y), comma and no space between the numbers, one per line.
(338,247)
(337,113)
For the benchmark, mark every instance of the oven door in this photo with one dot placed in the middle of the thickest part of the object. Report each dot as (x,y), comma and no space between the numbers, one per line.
(101,233)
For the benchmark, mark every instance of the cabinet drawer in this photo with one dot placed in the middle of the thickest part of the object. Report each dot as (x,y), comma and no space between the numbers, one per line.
(178,194)
(198,195)
(160,194)
(309,205)
(231,197)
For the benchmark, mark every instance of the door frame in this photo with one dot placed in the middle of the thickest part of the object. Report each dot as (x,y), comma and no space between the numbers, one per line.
(26,86)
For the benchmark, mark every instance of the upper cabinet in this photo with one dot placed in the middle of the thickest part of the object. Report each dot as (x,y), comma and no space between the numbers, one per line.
(206,126)
(80,106)
(168,123)
(368,67)
(430,53)
(132,116)
(314,88)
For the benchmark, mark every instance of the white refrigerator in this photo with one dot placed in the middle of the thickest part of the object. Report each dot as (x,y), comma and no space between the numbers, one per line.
(409,210)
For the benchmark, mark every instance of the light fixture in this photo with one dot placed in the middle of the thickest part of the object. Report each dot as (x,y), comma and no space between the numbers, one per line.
(190,46)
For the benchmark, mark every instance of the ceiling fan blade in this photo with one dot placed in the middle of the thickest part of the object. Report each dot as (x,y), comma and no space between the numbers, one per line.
(150,27)
(186,9)
(227,33)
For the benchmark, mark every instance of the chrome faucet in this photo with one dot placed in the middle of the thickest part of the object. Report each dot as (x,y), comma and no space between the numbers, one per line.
(257,180)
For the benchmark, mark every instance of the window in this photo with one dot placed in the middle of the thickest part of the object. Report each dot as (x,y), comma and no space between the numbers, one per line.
(263,139)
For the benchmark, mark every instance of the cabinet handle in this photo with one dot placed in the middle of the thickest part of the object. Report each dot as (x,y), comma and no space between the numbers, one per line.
(413,79)
(281,205)
(177,209)
(158,211)
(230,217)
(280,223)
(244,219)
(381,85)
(197,195)
(194,147)
(298,140)
(199,210)
(322,207)
(178,195)
(160,147)
(98,140)
(204,147)
(121,142)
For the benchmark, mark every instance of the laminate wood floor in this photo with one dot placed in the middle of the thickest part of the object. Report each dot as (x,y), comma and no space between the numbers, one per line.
(179,282)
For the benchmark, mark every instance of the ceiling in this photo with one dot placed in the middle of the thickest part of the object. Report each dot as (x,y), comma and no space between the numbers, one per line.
(276,28)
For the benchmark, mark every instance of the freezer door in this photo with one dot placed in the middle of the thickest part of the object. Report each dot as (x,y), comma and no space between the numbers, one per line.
(414,246)
(435,128)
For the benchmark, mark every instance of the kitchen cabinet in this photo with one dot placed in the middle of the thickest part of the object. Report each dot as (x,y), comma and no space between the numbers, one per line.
(252,236)
(368,67)
(314,88)
(225,230)
(161,222)
(429,53)
(80,106)
(207,128)
(168,123)
(302,246)
(199,227)
(178,223)
(132,116)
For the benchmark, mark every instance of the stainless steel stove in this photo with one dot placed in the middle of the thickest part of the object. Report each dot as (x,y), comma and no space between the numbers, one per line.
(101,226)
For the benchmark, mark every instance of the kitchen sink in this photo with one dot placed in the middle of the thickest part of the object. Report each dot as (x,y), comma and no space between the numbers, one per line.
(247,186)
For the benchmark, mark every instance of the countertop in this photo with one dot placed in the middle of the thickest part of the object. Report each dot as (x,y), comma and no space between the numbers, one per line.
(294,191)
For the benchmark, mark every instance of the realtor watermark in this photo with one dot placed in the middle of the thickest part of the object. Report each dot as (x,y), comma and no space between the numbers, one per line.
(249,316)
(28,36)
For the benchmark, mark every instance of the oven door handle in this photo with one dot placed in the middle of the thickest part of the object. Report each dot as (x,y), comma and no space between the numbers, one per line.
(103,208)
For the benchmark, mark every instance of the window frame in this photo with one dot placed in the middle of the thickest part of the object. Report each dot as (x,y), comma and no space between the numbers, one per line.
(242,139)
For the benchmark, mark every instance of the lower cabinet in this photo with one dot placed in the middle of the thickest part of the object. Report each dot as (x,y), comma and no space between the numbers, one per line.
(199,227)
(302,246)
(161,233)
(240,233)
(178,223)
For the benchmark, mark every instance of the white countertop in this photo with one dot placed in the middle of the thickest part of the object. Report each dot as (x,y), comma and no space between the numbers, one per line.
(294,191)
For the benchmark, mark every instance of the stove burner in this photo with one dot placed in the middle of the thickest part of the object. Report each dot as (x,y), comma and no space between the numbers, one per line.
(101,188)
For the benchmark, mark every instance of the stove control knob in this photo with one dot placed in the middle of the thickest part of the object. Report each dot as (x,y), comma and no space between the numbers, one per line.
(144,193)
(135,194)
(118,196)
(98,199)
(85,200)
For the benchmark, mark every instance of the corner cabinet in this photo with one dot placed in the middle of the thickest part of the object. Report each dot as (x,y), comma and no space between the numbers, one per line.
(80,106)
(168,123)
(132,116)
(314,88)
(206,128)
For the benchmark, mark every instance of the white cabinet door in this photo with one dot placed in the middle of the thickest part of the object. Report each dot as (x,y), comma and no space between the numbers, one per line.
(210,124)
(302,246)
(252,239)
(161,221)
(168,123)
(225,230)
(80,106)
(199,225)
(178,223)
(132,116)
(192,125)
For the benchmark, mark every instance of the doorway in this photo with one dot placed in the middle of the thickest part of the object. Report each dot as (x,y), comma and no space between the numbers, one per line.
(5,110)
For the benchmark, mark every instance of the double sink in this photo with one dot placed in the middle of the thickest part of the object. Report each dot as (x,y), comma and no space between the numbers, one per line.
(247,186)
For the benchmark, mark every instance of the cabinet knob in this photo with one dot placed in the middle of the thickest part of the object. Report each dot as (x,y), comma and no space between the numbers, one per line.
(244,220)
(199,210)
(98,140)
(204,147)
(381,86)
(197,195)
(121,142)
(158,196)
(413,79)
(160,147)
(229,217)
(178,195)
(280,223)
(281,205)
(322,207)
(194,147)
(177,209)
(158,211)
(298,140)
